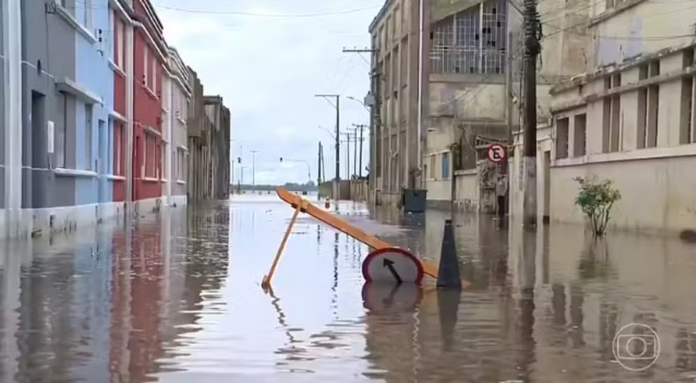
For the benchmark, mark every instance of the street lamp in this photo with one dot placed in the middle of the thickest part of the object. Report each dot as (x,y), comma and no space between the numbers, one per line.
(309,171)
(359,102)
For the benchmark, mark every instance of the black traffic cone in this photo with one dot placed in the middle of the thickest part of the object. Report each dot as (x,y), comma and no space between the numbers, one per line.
(448,272)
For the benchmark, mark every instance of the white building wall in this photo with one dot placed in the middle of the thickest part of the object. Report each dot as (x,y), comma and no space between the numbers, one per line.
(656,194)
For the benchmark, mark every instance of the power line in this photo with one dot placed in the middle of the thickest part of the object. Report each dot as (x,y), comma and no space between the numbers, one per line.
(253,14)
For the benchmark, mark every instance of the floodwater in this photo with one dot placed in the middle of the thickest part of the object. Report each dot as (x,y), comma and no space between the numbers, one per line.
(177,299)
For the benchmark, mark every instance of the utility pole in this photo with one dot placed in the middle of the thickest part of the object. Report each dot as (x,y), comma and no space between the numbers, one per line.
(532,48)
(361,127)
(319,172)
(355,152)
(337,180)
(509,85)
(253,168)
(347,154)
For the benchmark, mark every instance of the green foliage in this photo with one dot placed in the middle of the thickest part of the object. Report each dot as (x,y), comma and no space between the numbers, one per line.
(596,199)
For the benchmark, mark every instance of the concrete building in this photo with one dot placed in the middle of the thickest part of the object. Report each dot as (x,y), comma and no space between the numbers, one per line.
(199,127)
(218,169)
(176,99)
(395,82)
(465,98)
(627,118)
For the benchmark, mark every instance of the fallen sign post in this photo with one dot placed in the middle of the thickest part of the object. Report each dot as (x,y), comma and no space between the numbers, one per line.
(302,205)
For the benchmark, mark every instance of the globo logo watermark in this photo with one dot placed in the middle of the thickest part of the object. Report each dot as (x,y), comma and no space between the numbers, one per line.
(636,347)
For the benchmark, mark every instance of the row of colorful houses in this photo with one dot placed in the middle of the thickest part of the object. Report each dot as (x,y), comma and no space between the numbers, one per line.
(101,115)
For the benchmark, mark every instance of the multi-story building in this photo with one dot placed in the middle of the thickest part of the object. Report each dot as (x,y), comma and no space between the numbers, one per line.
(218,169)
(628,117)
(466,99)
(394,149)
(199,127)
(87,126)
(178,94)
(65,104)
(149,60)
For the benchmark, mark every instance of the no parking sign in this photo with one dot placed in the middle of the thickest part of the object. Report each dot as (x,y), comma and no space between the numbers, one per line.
(392,265)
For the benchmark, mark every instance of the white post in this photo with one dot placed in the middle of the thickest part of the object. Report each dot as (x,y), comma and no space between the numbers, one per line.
(169,147)
(129,116)
(12,23)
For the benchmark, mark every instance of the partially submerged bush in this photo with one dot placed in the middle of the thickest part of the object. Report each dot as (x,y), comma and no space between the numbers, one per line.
(595,199)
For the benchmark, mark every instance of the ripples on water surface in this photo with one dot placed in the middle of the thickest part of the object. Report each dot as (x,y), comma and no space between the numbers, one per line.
(178,300)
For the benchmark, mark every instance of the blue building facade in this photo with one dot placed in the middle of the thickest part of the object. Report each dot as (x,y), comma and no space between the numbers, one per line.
(67,88)
(94,73)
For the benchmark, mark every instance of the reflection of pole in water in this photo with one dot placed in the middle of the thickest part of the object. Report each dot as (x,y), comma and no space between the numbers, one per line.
(334,288)
(291,350)
(448,305)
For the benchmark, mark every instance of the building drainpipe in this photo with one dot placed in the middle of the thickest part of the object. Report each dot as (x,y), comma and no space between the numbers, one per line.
(12,25)
(130,134)
(169,145)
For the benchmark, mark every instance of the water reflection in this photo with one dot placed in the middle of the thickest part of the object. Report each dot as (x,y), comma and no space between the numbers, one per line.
(176,299)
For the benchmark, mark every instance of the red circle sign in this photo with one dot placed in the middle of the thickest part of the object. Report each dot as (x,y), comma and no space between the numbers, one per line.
(393,265)
(497,153)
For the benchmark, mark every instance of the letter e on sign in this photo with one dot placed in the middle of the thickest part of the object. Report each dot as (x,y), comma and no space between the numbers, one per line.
(496,153)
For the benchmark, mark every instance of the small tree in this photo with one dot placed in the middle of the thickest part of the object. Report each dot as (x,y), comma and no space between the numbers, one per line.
(595,199)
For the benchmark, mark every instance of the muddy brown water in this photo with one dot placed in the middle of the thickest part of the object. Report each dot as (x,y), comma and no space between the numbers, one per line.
(177,299)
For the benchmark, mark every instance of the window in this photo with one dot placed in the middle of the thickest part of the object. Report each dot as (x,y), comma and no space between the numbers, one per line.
(88,13)
(445,166)
(150,155)
(112,34)
(154,75)
(120,43)
(687,122)
(562,127)
(472,41)
(118,145)
(87,155)
(648,107)
(611,120)
(158,164)
(60,134)
(579,135)
(432,174)
(146,66)
(180,164)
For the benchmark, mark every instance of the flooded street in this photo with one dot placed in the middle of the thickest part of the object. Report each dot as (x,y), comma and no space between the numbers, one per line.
(178,299)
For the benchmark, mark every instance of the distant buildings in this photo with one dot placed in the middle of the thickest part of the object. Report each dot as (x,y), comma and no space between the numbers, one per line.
(97,117)
(615,101)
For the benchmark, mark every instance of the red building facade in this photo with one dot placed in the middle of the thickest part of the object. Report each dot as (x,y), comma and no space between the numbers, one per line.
(149,59)
(120,27)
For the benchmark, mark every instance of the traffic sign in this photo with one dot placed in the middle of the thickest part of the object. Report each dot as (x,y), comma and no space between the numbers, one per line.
(496,153)
(392,265)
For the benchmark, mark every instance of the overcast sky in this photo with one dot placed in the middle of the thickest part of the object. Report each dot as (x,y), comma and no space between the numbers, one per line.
(268,58)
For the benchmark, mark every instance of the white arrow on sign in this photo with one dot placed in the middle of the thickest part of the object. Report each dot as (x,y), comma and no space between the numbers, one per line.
(392,265)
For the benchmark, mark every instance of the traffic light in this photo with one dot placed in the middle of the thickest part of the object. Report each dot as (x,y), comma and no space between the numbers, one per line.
(239,160)
(281,159)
